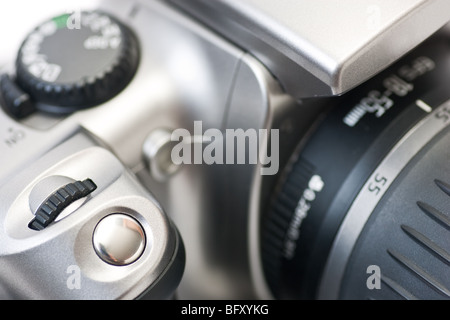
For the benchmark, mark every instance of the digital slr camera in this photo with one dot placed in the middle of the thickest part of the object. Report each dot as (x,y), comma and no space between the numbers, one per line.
(227,149)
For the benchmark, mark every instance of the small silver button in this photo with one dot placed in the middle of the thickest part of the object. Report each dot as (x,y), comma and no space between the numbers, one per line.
(119,239)
(157,151)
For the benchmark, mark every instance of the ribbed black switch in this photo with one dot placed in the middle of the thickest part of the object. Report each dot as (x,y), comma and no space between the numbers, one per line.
(58,201)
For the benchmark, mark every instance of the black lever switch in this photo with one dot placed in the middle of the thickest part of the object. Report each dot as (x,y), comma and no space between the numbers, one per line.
(14,100)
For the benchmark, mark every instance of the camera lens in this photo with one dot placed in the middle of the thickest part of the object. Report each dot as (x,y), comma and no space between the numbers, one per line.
(360,211)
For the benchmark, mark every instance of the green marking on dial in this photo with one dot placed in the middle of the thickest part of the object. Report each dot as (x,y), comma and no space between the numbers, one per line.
(61,21)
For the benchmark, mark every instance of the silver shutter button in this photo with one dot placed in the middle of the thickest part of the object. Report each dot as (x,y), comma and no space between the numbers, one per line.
(119,239)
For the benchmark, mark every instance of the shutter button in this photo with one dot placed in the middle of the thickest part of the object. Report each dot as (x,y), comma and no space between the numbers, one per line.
(119,239)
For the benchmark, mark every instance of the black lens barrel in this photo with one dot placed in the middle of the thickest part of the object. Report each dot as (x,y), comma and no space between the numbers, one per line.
(326,175)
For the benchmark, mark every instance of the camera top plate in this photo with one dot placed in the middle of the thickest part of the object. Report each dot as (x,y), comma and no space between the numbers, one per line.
(323,47)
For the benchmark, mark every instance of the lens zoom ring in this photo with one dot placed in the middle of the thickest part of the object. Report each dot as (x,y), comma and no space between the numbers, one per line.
(275,224)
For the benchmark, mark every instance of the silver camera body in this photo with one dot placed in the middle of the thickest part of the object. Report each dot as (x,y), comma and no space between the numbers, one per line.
(205,66)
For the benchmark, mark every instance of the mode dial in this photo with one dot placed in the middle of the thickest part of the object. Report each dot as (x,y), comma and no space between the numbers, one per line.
(76,61)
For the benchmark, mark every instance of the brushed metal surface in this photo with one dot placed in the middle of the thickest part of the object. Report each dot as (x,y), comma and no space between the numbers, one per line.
(323,47)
